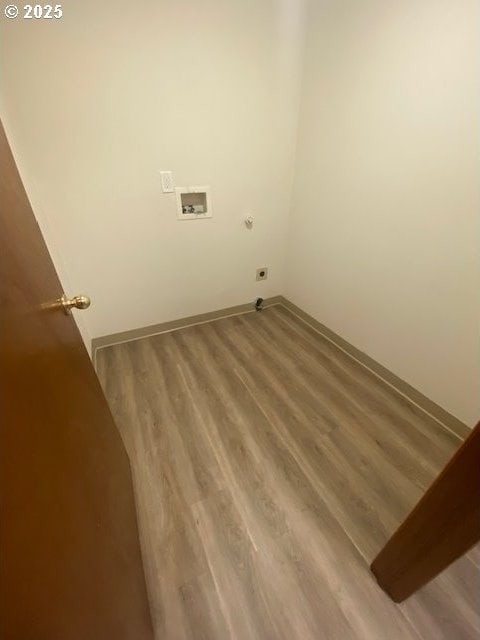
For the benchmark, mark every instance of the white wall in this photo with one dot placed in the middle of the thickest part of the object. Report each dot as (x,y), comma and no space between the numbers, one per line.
(96,103)
(385,229)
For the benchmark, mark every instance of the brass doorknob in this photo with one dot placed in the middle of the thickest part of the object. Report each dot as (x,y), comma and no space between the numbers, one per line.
(78,302)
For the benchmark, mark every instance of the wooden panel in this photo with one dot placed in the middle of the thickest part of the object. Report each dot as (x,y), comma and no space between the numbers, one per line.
(71,567)
(444,525)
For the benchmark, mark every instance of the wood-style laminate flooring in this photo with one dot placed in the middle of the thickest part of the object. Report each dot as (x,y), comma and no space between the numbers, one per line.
(269,469)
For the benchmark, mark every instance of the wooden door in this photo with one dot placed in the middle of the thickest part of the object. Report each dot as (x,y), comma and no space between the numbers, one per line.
(70,565)
(443,526)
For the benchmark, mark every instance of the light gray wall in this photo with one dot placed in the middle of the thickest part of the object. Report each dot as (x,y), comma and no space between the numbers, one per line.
(385,229)
(385,226)
(95,104)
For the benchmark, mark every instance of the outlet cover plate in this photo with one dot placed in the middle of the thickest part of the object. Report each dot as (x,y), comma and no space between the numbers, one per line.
(167,181)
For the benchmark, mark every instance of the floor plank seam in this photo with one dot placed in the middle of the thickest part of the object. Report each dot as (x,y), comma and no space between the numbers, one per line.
(256,519)
(184,326)
(377,375)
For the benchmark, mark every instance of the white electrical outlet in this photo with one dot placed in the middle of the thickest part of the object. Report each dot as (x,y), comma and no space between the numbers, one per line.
(262,273)
(167,181)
